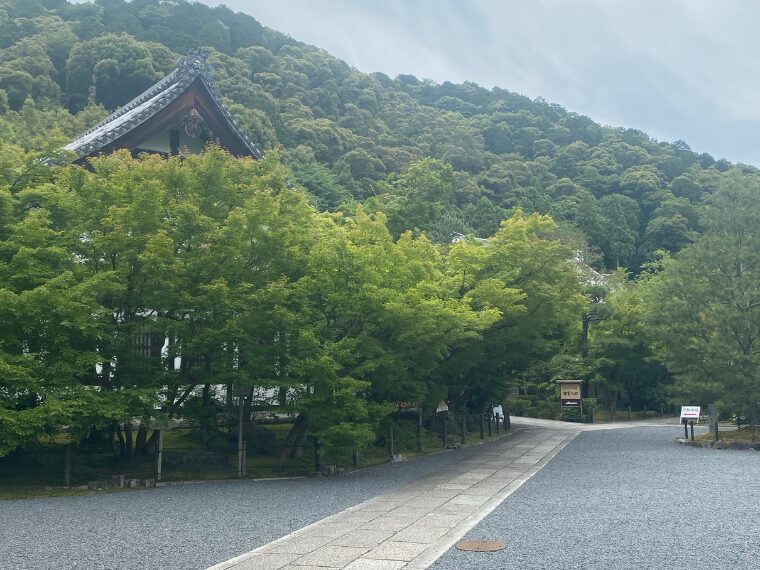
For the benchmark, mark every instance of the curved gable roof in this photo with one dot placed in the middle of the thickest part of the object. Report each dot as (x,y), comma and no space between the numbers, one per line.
(155,99)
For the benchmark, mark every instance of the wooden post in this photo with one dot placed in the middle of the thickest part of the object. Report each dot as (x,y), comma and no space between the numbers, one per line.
(355,457)
(482,427)
(317,456)
(490,424)
(752,421)
(462,427)
(391,446)
(67,466)
(240,437)
(498,421)
(159,454)
(717,432)
(419,430)
(754,434)
(445,434)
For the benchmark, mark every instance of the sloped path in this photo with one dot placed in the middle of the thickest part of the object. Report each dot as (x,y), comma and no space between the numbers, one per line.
(627,499)
(189,526)
(412,526)
(415,510)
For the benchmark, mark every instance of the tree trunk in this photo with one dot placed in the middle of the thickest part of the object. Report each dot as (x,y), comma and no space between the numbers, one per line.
(171,395)
(229,402)
(122,443)
(296,434)
(177,403)
(205,415)
(128,439)
(152,440)
(112,441)
(248,406)
(585,323)
(142,439)
(94,434)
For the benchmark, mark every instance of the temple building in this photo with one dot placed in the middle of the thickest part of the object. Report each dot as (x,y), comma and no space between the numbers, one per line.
(178,115)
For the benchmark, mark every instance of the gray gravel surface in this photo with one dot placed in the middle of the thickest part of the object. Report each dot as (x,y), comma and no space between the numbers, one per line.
(185,526)
(625,499)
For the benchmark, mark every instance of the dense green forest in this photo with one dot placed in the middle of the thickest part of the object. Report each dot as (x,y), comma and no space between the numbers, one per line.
(349,136)
(328,267)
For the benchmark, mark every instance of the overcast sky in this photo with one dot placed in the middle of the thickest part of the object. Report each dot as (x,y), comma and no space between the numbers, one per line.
(676,69)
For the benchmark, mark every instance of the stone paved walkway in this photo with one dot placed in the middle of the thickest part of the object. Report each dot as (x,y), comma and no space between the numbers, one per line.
(414,525)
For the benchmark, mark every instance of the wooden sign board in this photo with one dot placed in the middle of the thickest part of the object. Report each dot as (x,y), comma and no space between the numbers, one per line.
(442,407)
(570,394)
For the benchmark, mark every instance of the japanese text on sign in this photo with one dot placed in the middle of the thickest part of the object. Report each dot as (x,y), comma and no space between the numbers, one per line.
(571,391)
(690,412)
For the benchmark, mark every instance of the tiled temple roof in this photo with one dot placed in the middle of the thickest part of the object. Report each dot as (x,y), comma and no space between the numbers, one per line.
(154,100)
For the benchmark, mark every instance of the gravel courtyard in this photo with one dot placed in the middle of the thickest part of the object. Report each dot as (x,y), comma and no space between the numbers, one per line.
(185,526)
(612,499)
(625,499)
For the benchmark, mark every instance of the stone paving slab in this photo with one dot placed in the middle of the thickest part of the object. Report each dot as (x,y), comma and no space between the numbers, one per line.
(397,550)
(266,561)
(410,527)
(331,556)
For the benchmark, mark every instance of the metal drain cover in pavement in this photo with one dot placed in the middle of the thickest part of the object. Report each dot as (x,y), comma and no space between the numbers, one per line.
(480,545)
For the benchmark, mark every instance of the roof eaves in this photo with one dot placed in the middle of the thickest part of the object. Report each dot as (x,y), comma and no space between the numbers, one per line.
(207,75)
(189,68)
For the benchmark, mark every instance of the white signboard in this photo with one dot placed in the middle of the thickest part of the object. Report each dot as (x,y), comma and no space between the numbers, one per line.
(442,407)
(498,410)
(690,413)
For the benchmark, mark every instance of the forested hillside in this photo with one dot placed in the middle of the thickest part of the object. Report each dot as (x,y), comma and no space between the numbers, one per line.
(350,136)
(327,270)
